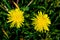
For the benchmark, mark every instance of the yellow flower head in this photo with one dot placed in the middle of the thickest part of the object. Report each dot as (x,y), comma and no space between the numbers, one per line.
(16,17)
(41,22)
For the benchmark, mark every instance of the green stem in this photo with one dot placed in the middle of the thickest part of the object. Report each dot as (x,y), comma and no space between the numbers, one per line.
(17,33)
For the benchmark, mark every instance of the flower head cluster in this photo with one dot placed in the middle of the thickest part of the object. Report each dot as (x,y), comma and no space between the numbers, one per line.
(16,17)
(41,22)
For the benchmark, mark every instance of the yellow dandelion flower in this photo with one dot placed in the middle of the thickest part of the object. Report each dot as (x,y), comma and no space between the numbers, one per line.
(41,22)
(16,17)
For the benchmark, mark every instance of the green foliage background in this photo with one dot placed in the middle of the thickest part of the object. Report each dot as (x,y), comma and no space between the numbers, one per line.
(30,7)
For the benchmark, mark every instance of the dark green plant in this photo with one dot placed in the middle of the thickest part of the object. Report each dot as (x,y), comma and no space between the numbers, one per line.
(30,7)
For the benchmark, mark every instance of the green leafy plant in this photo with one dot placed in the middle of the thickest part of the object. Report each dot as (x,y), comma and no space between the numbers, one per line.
(30,8)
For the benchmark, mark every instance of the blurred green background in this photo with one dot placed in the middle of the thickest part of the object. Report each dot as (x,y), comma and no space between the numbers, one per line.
(30,7)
